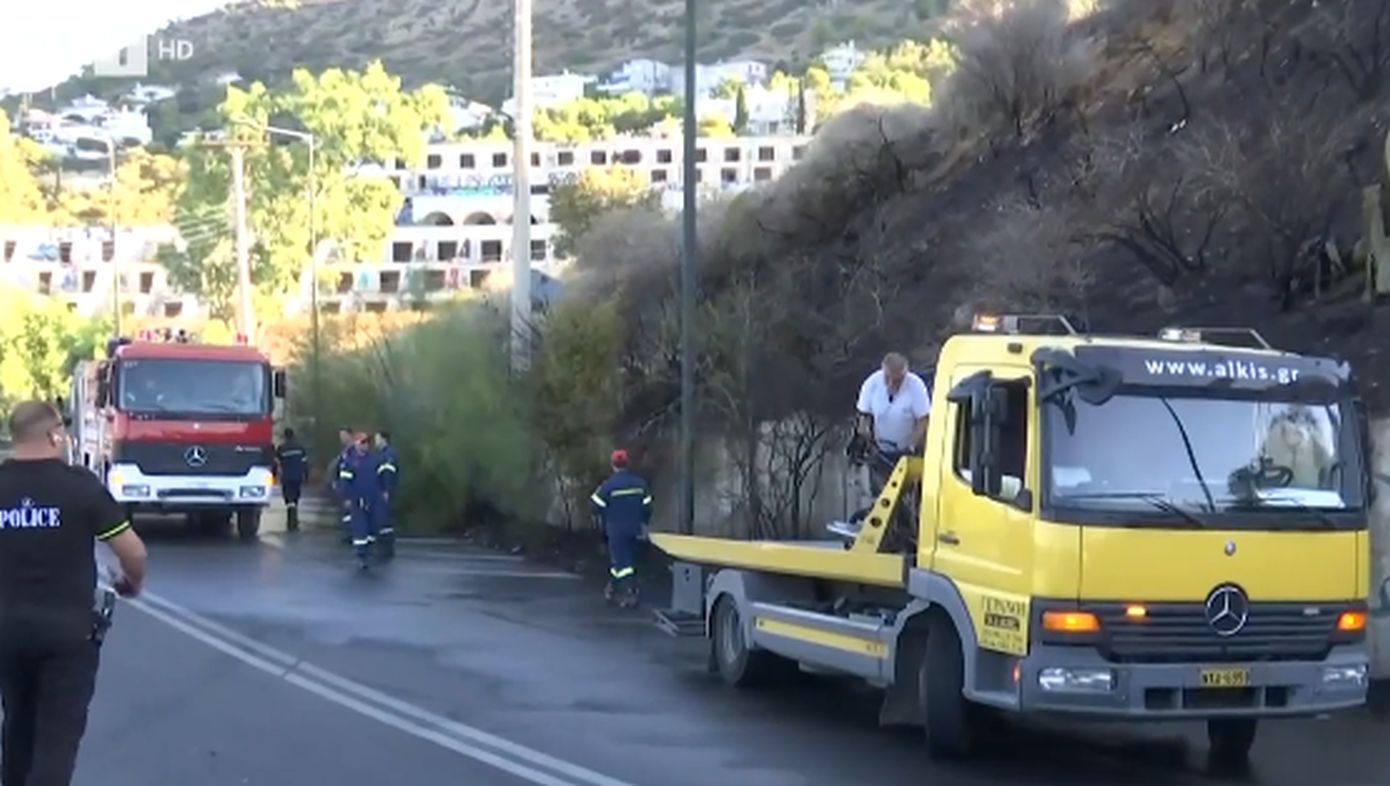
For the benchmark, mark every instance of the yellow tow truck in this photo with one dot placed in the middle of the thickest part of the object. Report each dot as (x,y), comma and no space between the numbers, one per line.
(1167,528)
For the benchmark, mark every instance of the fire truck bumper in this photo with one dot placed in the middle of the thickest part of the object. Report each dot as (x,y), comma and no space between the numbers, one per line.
(132,487)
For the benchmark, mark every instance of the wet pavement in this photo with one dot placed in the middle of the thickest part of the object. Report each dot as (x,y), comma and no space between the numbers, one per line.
(276,663)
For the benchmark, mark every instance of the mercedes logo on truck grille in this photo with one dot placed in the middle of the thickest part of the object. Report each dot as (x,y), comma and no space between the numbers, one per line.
(1227,610)
(196,456)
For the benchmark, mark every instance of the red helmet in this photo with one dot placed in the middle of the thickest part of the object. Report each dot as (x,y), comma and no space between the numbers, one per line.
(619,458)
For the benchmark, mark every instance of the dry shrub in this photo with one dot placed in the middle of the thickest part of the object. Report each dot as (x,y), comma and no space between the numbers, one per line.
(1020,62)
(1030,257)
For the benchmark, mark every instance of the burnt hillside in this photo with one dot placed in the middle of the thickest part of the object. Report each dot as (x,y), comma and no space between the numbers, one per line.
(1153,162)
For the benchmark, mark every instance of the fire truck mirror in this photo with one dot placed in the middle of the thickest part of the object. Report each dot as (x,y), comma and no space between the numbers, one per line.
(278,380)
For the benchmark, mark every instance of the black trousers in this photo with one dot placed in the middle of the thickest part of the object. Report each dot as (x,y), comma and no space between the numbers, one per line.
(47,678)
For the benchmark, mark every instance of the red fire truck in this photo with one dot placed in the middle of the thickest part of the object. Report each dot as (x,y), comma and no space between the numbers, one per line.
(175,426)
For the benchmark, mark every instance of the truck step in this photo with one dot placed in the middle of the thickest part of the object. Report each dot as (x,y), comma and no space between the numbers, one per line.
(679,623)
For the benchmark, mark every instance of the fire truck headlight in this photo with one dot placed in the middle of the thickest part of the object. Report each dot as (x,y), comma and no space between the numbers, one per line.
(253,492)
(135,491)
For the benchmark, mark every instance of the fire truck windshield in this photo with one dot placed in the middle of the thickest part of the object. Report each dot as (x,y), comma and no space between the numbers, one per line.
(194,387)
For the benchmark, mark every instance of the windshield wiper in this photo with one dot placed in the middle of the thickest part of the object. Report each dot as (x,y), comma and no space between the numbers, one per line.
(1155,498)
(1263,503)
(1191,453)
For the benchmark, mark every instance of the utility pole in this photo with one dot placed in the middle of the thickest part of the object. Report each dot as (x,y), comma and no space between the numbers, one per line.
(687,289)
(243,252)
(115,256)
(521,189)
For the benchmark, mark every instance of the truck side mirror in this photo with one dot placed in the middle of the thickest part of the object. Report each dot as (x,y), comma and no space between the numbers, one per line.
(279,383)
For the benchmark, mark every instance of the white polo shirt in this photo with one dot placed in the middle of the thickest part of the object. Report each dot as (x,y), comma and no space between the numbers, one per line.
(894,416)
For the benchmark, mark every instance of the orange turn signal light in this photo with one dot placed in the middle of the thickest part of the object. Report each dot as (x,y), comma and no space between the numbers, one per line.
(1070,621)
(1351,621)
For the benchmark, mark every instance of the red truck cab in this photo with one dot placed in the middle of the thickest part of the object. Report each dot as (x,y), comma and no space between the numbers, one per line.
(181,427)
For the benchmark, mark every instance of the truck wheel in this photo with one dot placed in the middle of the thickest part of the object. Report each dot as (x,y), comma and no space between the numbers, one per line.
(951,720)
(1231,738)
(737,663)
(248,523)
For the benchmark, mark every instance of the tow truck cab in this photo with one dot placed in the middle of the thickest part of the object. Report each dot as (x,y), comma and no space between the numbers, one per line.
(182,427)
(1122,528)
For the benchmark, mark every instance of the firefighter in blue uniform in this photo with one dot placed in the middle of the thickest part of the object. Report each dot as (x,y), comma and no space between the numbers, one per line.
(345,436)
(291,460)
(359,479)
(624,505)
(388,478)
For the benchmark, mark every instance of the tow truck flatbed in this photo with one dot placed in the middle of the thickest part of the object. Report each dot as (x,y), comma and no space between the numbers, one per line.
(812,559)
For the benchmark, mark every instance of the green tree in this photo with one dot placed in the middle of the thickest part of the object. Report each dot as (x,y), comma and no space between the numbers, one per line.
(355,117)
(575,206)
(741,111)
(40,343)
(147,187)
(21,199)
(715,127)
(728,87)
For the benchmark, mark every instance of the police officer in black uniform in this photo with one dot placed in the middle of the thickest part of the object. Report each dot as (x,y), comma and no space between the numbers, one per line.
(50,515)
(292,460)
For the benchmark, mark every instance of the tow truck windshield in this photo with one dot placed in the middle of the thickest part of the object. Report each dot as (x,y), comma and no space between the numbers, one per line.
(203,388)
(1201,461)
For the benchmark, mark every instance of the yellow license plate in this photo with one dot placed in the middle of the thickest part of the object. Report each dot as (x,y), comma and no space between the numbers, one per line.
(1225,678)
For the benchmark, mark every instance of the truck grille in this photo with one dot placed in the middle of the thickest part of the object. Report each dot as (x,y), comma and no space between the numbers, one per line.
(1180,632)
(171,458)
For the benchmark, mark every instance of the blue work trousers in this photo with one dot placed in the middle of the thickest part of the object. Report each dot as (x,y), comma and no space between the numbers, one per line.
(622,556)
(363,525)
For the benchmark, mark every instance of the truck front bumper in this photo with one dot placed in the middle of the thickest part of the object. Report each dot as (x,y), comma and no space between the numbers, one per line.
(129,486)
(1078,681)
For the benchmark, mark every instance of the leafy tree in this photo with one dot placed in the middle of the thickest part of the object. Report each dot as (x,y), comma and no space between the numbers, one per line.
(21,199)
(40,342)
(728,87)
(575,206)
(146,190)
(715,127)
(601,117)
(355,117)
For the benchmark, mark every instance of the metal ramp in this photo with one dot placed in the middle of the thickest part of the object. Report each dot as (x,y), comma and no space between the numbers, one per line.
(686,617)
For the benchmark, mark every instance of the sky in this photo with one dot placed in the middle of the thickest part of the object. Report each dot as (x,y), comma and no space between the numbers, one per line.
(43,42)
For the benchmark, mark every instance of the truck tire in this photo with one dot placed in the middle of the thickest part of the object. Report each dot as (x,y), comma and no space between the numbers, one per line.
(737,663)
(951,721)
(248,523)
(1231,738)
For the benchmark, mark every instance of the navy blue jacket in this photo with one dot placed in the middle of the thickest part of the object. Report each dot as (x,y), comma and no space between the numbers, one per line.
(357,475)
(340,465)
(293,460)
(387,472)
(623,501)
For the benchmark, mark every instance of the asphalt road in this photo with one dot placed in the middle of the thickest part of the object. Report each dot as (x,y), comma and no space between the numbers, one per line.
(275,663)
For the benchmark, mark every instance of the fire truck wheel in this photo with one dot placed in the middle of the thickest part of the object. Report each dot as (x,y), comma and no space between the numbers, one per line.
(248,523)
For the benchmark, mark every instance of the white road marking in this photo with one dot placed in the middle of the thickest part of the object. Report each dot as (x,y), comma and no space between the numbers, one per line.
(525,763)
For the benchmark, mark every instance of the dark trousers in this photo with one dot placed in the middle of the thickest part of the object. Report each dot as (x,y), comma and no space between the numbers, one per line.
(47,679)
(291,490)
(622,557)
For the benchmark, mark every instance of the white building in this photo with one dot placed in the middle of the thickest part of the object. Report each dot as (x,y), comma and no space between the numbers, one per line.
(840,62)
(552,91)
(149,94)
(641,75)
(77,265)
(709,78)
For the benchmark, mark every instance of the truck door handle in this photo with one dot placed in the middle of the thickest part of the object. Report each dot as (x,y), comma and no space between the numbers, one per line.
(949,538)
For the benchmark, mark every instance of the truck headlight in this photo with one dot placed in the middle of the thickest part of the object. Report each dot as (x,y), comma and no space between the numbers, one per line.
(253,492)
(135,491)
(1344,676)
(1061,680)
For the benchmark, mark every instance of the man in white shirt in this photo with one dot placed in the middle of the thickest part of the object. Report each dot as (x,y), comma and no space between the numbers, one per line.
(893,407)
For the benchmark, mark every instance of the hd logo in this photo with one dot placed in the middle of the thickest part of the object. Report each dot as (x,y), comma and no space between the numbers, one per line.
(30,516)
